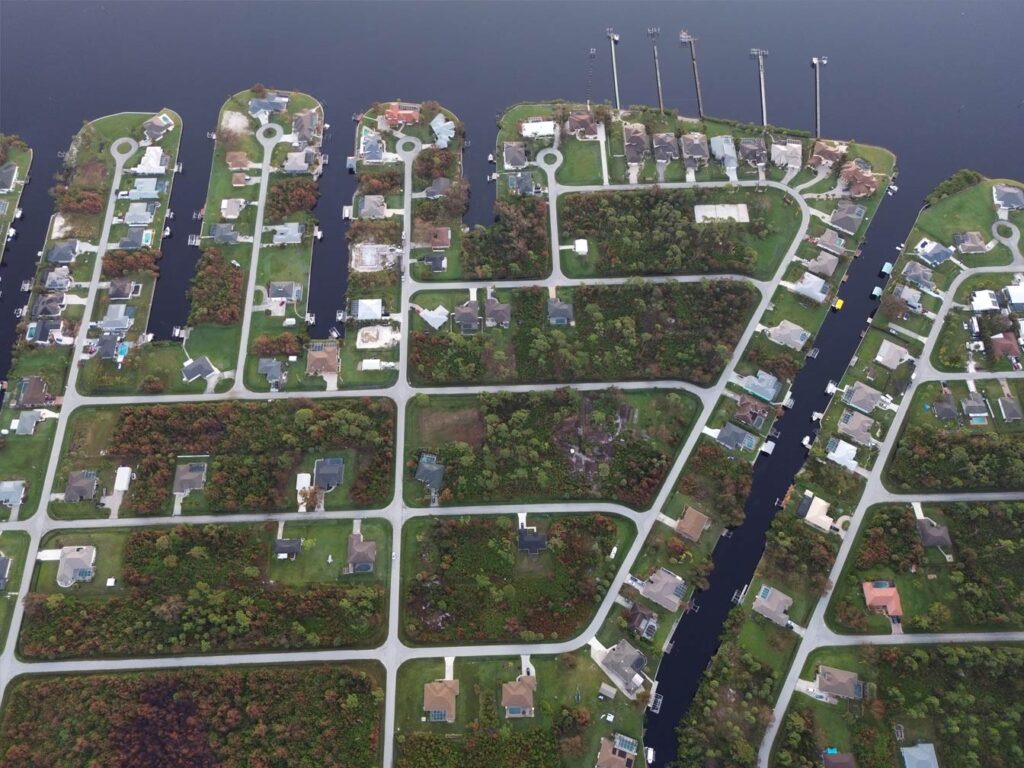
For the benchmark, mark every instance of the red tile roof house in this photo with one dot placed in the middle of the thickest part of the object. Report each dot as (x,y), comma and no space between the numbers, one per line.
(883,597)
(402,114)
(1004,345)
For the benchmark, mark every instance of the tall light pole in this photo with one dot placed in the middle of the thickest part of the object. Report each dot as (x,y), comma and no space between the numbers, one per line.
(653,32)
(613,40)
(759,54)
(590,74)
(817,62)
(685,38)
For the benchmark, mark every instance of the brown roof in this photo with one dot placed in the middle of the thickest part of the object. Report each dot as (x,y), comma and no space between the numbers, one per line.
(237,160)
(611,756)
(839,682)
(751,411)
(440,237)
(519,693)
(238,179)
(582,121)
(439,696)
(860,181)
(692,524)
(884,597)
(361,551)
(33,391)
(1004,345)
(824,153)
(323,359)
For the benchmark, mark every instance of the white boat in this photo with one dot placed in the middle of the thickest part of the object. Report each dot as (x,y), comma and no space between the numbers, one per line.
(318,233)
(490,159)
(310,318)
(167,231)
(17,213)
(334,333)
(170,215)
(11,234)
(339,316)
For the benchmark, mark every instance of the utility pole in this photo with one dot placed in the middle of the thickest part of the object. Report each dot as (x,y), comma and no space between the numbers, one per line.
(653,32)
(817,63)
(685,38)
(759,54)
(590,75)
(613,40)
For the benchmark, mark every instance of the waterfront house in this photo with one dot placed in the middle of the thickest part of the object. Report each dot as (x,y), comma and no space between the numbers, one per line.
(287,549)
(920,756)
(8,177)
(123,289)
(665,589)
(634,136)
(261,108)
(751,412)
(643,621)
(735,438)
(831,242)
(753,151)
(371,148)
(289,233)
(514,155)
(666,147)
(322,359)
(65,252)
(883,597)
(231,208)
(857,426)
(58,279)
(848,216)
(146,188)
(444,130)
(812,287)
(189,477)
(139,214)
(304,127)
(840,683)
(284,290)
(537,128)
(692,524)
(496,314)
(625,665)
(119,318)
(48,305)
(439,700)
(438,188)
(842,453)
(226,234)
(931,253)
(76,564)
(517,696)
(857,178)
(12,493)
(523,184)
(582,125)
(328,473)
(81,486)
(154,162)
(695,150)
(373,207)
(773,605)
(787,153)
(891,355)
(617,752)
(362,555)
(430,472)
(723,149)
(788,334)
(198,368)
(367,310)
(560,313)
(933,535)
(304,161)
(136,238)
(466,317)
(1007,197)
(826,154)
(238,161)
(921,276)
(969,242)
(398,113)
(763,385)
(910,296)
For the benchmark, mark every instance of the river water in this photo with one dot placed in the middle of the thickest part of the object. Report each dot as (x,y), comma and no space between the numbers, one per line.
(938,83)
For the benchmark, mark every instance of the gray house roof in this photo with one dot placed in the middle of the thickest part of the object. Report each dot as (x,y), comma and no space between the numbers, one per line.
(283,289)
(666,147)
(119,317)
(272,102)
(81,486)
(832,242)
(467,317)
(695,149)
(514,154)
(328,473)
(945,408)
(140,213)
(933,535)
(824,264)
(773,605)
(935,254)
(289,233)
(12,492)
(8,175)
(753,150)
(189,477)
(373,207)
(626,663)
(862,397)
(106,345)
(224,233)
(288,547)
(304,125)
(430,472)
(839,682)
(272,369)
(560,312)
(920,756)
(438,187)
(764,385)
(58,279)
(918,274)
(62,252)
(522,183)
(723,149)
(133,240)
(1007,196)
(974,405)
(847,216)
(635,140)
(27,421)
(199,368)
(788,334)
(48,305)
(733,437)
(497,313)
(857,426)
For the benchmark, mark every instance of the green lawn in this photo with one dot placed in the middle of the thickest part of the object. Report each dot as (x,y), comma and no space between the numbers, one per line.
(329,538)
(967,210)
(25,457)
(14,545)
(109,561)
(581,162)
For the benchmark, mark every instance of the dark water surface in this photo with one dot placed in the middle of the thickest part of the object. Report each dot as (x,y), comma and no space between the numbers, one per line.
(938,83)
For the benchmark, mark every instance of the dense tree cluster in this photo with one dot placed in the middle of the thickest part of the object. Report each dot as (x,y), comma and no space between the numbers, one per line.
(327,715)
(376,230)
(200,589)
(793,553)
(432,163)
(383,181)
(517,245)
(77,200)
(683,331)
(718,484)
(8,140)
(494,748)
(291,195)
(447,210)
(565,445)
(971,695)
(119,263)
(216,294)
(472,584)
(254,449)
(958,182)
(932,458)
(654,232)
(286,343)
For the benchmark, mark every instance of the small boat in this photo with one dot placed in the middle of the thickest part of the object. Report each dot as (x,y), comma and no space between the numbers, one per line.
(170,215)
(837,305)
(339,316)
(490,159)
(876,293)
(167,231)
(11,234)
(17,213)
(26,285)
(211,134)
(492,177)
(893,188)
(334,333)
(886,268)
(318,233)
(310,318)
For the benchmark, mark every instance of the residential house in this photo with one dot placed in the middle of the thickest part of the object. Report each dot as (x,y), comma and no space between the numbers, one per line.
(31,392)
(763,385)
(136,238)
(8,177)
(921,276)
(439,700)
(47,330)
(231,208)
(514,155)
(438,188)
(366,310)
(617,752)
(814,511)
(81,486)
(812,287)
(398,114)
(198,368)
(225,234)
(437,262)
(305,124)
(858,179)
(189,477)
(123,289)
(883,597)
(826,154)
(984,301)
(890,355)
(436,318)
(496,314)
(154,162)
(857,426)
(582,125)
(64,252)
(643,621)
(119,318)
(1014,296)
(304,161)
(273,371)
(140,214)
(634,136)
(735,438)
(289,233)
(787,153)
(537,128)
(107,346)
(975,408)
(283,289)
(444,130)
(920,756)
(842,453)
(238,161)
(362,554)
(695,150)
(261,108)
(328,473)
(12,493)
(1007,197)
(1009,407)
(531,541)
(48,305)
(523,184)
(724,151)
(910,296)
(751,412)
(560,313)
(753,151)
(665,589)
(26,423)
(848,216)
(944,408)
(466,317)
(440,238)
(146,188)
(517,696)
(625,665)
(374,257)
(862,397)
(933,535)
(773,605)
(788,334)
(692,524)
(970,242)
(1004,345)
(933,254)
(322,358)
(840,683)
(239,179)
(287,549)
(76,564)
(430,472)
(373,207)
(371,147)
(824,264)
(666,147)
(58,279)
(831,242)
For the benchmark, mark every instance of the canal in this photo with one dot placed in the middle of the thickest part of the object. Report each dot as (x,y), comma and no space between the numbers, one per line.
(936,83)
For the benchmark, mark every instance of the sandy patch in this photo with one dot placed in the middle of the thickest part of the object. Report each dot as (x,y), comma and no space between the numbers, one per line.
(443,426)
(235,122)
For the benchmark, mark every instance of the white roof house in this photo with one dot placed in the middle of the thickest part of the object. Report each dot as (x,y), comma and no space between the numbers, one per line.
(891,355)
(984,301)
(122,479)
(813,287)
(435,318)
(842,453)
(538,129)
(154,162)
(368,309)
(722,212)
